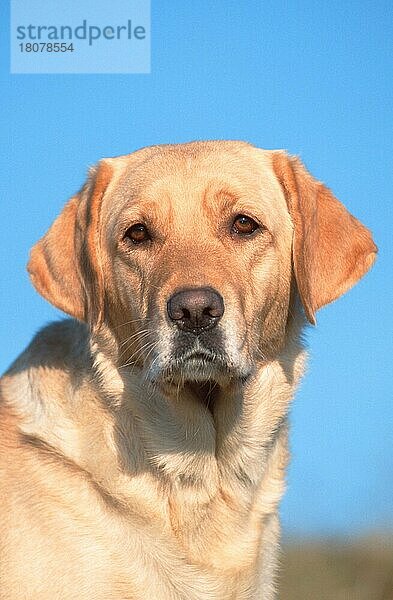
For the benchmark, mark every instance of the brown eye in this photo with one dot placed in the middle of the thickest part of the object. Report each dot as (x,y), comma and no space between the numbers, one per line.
(243,225)
(137,233)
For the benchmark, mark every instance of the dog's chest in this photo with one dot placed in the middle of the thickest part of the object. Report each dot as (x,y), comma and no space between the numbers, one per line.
(198,546)
(148,541)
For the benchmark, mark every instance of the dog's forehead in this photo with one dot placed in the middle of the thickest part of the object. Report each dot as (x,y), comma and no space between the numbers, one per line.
(187,173)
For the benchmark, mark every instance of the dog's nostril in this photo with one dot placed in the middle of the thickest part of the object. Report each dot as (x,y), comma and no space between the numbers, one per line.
(195,309)
(214,311)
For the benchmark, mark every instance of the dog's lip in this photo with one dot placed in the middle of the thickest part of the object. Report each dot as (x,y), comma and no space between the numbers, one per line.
(198,354)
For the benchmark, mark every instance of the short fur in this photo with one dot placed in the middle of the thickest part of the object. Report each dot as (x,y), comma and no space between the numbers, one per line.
(131,468)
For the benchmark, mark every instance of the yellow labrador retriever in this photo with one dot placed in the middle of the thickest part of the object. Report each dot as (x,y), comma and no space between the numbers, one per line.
(144,442)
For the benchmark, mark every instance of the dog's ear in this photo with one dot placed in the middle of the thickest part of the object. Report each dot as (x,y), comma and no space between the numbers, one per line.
(331,249)
(65,265)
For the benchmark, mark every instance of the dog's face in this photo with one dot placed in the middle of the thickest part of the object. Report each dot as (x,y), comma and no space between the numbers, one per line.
(199,245)
(192,255)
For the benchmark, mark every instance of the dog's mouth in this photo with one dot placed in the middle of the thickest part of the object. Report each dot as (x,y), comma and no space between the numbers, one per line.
(201,373)
(199,369)
(198,366)
(200,357)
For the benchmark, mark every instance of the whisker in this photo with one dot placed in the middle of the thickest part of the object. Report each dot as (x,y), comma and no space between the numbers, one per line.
(150,369)
(125,350)
(150,351)
(130,322)
(143,331)
(137,354)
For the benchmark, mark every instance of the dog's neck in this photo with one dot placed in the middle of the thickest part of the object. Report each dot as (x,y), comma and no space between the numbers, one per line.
(201,422)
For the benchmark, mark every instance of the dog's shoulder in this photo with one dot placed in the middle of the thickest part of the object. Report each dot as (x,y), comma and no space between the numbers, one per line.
(58,355)
(60,344)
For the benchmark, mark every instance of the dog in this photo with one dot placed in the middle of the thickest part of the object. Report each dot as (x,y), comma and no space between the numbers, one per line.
(144,441)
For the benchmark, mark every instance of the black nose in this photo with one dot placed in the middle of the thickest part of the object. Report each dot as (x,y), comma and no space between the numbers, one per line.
(196,310)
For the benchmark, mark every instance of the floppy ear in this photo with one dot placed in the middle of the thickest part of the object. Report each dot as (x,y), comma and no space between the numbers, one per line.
(331,249)
(65,265)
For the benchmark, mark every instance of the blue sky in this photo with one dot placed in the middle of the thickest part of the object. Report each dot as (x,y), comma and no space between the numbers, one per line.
(312,77)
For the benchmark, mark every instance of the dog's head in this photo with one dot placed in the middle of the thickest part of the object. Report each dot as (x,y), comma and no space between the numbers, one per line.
(193,254)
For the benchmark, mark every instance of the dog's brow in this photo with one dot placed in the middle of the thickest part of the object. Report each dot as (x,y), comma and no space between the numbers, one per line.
(226,197)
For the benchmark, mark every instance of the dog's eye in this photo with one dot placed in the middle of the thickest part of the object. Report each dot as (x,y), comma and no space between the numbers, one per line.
(243,225)
(137,233)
